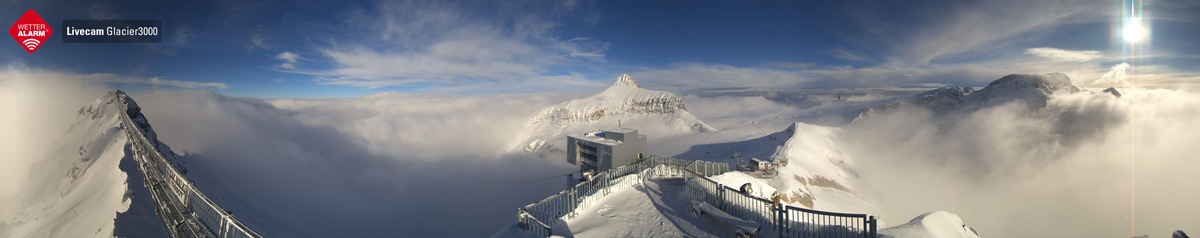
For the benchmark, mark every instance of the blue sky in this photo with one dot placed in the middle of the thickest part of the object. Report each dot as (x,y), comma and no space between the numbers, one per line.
(311,49)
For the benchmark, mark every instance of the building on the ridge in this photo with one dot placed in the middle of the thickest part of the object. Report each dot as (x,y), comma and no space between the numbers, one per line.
(603,150)
(758,164)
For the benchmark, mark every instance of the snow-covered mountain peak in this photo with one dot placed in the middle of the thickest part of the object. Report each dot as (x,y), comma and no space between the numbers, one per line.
(625,98)
(626,81)
(111,103)
(1051,81)
(1032,89)
(627,87)
(96,108)
(108,104)
(1027,84)
(626,102)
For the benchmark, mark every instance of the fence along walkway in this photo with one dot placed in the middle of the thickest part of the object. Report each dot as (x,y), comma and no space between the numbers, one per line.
(186,212)
(785,221)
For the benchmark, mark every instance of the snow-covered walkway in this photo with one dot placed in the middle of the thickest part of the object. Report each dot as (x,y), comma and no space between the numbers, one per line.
(655,208)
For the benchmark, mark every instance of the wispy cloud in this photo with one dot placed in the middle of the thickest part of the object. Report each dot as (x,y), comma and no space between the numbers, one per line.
(1066,55)
(182,36)
(259,40)
(851,56)
(1115,76)
(155,81)
(121,79)
(978,27)
(582,48)
(965,44)
(173,83)
(289,59)
(972,43)
(695,75)
(681,77)
(442,45)
(796,65)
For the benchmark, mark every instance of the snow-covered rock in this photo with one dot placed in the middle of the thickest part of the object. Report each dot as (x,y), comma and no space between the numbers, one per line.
(943,97)
(625,103)
(932,224)
(1113,91)
(627,81)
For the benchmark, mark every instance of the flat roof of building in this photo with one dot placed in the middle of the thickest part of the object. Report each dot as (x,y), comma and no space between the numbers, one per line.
(621,130)
(595,136)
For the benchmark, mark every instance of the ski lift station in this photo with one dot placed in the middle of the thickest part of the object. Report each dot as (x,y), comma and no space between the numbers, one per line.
(758,164)
(602,150)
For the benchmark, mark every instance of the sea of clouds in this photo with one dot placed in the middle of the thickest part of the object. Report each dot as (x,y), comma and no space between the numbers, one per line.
(1080,167)
(438,165)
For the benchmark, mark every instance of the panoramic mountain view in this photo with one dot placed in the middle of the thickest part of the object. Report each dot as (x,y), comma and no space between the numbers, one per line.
(1059,118)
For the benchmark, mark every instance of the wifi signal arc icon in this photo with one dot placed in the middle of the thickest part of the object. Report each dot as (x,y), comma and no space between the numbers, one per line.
(31,43)
(31,31)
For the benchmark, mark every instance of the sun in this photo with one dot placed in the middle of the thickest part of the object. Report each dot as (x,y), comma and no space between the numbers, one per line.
(1133,33)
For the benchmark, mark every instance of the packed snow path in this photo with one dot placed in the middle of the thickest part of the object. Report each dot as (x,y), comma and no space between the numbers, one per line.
(186,212)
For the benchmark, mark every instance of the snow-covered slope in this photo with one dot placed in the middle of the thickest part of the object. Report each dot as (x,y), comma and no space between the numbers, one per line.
(78,188)
(817,174)
(932,224)
(625,102)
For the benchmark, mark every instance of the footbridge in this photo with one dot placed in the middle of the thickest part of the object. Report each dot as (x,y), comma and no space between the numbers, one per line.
(185,211)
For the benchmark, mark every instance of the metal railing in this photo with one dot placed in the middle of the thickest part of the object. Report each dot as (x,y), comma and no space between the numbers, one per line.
(185,210)
(801,222)
(788,221)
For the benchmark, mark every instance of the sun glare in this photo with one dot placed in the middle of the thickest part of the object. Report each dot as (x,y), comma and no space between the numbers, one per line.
(1133,29)
(1133,32)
